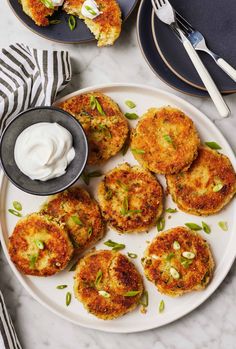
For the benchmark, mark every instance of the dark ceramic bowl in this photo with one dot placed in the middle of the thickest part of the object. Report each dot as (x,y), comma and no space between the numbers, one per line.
(34,116)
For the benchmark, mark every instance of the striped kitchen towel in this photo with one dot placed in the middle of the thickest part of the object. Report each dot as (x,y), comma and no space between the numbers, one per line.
(8,337)
(30,77)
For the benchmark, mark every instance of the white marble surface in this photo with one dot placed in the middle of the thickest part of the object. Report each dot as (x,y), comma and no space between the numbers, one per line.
(212,325)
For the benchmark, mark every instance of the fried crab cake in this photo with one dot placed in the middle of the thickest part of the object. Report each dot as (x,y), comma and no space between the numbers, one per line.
(105,125)
(38,12)
(108,284)
(80,214)
(207,186)
(165,141)
(131,199)
(106,27)
(40,246)
(178,261)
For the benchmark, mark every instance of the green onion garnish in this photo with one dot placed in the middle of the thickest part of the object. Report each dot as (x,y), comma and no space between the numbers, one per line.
(76,220)
(95,104)
(48,3)
(33,259)
(206,228)
(223,225)
(213,145)
(115,246)
(130,104)
(14,212)
(104,294)
(131,293)
(161,224)
(144,299)
(90,10)
(161,306)
(68,298)
(217,187)
(170,256)
(39,244)
(138,151)
(132,255)
(17,205)
(122,185)
(86,176)
(125,206)
(171,210)
(168,139)
(131,116)
(72,22)
(55,21)
(98,277)
(90,231)
(193,226)
(61,287)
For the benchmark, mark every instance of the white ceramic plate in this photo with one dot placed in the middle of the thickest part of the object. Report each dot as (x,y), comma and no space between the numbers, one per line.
(222,243)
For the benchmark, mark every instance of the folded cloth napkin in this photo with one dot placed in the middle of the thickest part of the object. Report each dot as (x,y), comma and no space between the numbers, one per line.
(28,78)
(8,337)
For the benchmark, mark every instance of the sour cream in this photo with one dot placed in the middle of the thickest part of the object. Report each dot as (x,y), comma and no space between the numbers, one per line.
(57,2)
(90,9)
(44,150)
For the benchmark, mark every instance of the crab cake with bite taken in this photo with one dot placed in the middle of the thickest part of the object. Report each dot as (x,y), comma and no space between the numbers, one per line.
(165,141)
(131,199)
(37,11)
(178,261)
(207,186)
(40,246)
(106,26)
(108,284)
(80,214)
(105,125)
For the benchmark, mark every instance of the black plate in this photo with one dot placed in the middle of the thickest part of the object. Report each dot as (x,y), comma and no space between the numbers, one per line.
(152,56)
(34,116)
(216,21)
(61,32)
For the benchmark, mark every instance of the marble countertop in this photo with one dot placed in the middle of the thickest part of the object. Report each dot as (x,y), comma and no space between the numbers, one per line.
(213,324)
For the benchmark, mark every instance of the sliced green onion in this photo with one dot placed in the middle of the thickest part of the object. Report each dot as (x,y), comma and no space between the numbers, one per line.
(131,116)
(115,246)
(206,228)
(33,259)
(104,294)
(213,145)
(55,21)
(138,151)
(68,298)
(98,277)
(193,226)
(72,22)
(171,210)
(134,211)
(132,255)
(161,306)
(174,273)
(48,3)
(125,206)
(130,104)
(122,185)
(131,293)
(14,212)
(161,224)
(39,244)
(176,245)
(86,176)
(186,262)
(90,10)
(170,256)
(108,194)
(90,231)
(168,139)
(17,205)
(76,220)
(61,287)
(144,299)
(95,104)
(188,255)
(223,225)
(217,187)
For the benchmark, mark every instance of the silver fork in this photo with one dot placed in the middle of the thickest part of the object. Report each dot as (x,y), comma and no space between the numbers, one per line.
(166,14)
(198,41)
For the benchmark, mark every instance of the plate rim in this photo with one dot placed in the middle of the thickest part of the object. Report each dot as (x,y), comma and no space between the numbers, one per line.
(85,41)
(207,292)
(165,60)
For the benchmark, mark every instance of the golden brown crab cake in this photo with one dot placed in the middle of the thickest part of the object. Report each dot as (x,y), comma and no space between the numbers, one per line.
(105,125)
(107,26)
(80,214)
(37,11)
(108,284)
(178,261)
(207,186)
(40,246)
(131,198)
(165,140)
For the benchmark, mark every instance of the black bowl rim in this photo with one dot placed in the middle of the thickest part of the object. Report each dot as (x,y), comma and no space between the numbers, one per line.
(32,192)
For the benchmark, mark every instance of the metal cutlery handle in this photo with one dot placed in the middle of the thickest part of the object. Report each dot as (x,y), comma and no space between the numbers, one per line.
(205,77)
(227,68)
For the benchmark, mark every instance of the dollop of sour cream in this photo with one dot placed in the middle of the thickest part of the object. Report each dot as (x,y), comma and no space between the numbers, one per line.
(90,9)
(44,150)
